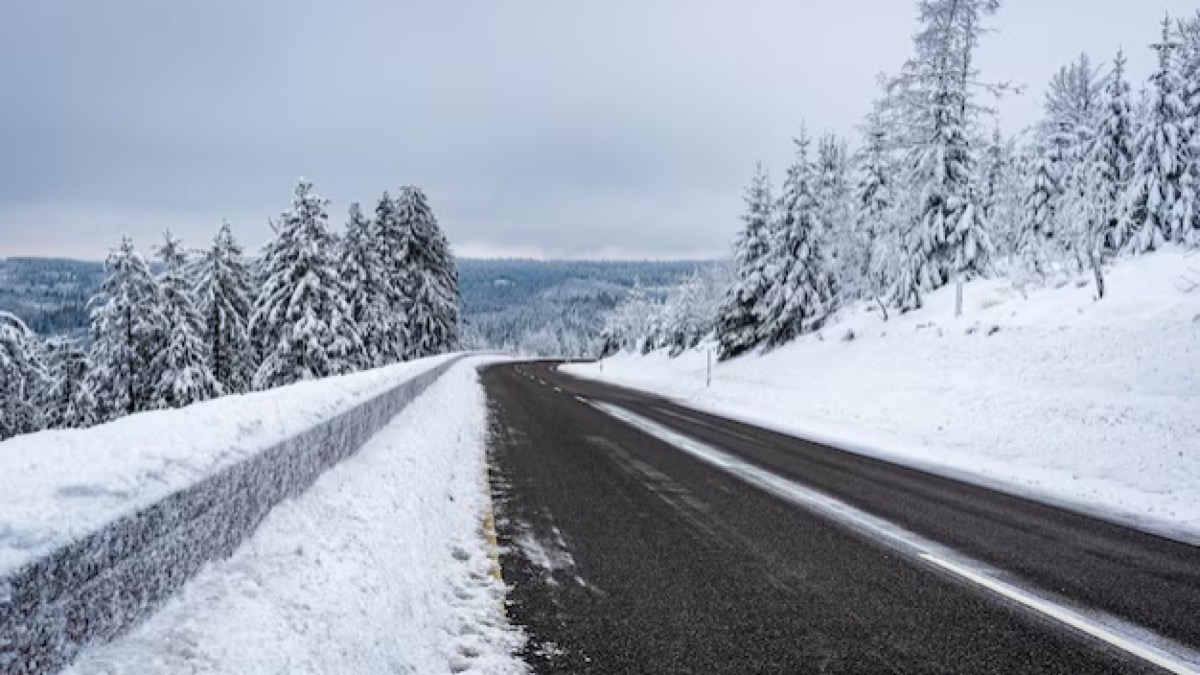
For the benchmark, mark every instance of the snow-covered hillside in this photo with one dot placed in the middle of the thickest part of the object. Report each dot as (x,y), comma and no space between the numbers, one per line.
(1093,403)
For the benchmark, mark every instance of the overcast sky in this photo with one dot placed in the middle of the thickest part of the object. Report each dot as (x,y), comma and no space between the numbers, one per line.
(551,128)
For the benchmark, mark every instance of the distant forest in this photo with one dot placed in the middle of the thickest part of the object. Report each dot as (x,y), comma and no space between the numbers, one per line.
(536,307)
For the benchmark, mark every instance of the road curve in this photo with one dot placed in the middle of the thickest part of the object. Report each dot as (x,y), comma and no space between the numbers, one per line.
(627,554)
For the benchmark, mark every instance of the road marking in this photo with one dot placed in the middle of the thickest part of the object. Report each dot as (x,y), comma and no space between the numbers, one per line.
(1128,637)
(1067,616)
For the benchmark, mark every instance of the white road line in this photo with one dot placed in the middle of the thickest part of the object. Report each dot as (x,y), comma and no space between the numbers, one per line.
(1121,634)
(1067,616)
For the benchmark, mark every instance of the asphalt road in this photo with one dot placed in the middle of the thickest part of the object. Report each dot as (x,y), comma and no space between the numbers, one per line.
(626,554)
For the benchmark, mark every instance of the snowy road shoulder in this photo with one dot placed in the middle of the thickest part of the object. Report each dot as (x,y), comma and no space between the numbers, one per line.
(59,486)
(382,566)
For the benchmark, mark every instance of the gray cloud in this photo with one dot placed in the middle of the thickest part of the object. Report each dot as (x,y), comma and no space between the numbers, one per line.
(621,128)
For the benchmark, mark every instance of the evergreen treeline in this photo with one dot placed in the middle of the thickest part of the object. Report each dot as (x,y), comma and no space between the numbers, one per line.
(935,195)
(554,307)
(209,323)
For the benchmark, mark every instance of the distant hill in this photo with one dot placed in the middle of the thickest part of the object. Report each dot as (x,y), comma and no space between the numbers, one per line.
(551,307)
(49,294)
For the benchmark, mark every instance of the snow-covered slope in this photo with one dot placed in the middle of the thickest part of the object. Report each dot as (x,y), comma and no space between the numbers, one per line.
(58,485)
(1092,403)
(381,567)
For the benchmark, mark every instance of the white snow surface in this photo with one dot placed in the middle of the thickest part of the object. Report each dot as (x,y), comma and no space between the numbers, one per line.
(1090,404)
(381,567)
(56,486)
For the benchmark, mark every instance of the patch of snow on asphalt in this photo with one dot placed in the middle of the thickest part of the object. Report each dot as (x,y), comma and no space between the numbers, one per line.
(1091,403)
(381,567)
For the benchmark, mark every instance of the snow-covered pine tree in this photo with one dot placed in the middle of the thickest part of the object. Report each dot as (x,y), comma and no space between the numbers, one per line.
(1073,106)
(1073,101)
(992,165)
(1092,201)
(935,90)
(635,323)
(686,315)
(225,297)
(1003,193)
(1189,38)
(301,314)
(362,272)
(874,203)
(1161,202)
(393,281)
(430,279)
(181,366)
(1111,159)
(832,191)
(72,401)
(126,328)
(800,293)
(24,379)
(1042,194)
(739,321)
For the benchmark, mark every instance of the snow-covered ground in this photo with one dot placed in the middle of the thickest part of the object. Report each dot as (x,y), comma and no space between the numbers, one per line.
(1093,404)
(58,485)
(381,567)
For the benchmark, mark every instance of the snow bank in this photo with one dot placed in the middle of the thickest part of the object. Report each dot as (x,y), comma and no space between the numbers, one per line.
(1091,404)
(381,567)
(56,486)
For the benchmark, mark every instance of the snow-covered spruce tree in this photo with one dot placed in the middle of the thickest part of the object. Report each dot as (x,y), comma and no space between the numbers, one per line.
(690,309)
(935,91)
(874,201)
(1189,38)
(429,281)
(629,322)
(1073,105)
(1042,195)
(181,366)
(739,321)
(993,163)
(800,293)
(1073,101)
(1092,200)
(1161,201)
(391,346)
(301,315)
(1111,159)
(225,298)
(1002,176)
(832,192)
(72,401)
(362,272)
(24,379)
(126,328)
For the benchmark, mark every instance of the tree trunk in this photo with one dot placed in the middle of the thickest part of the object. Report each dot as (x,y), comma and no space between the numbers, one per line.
(1099,273)
(882,307)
